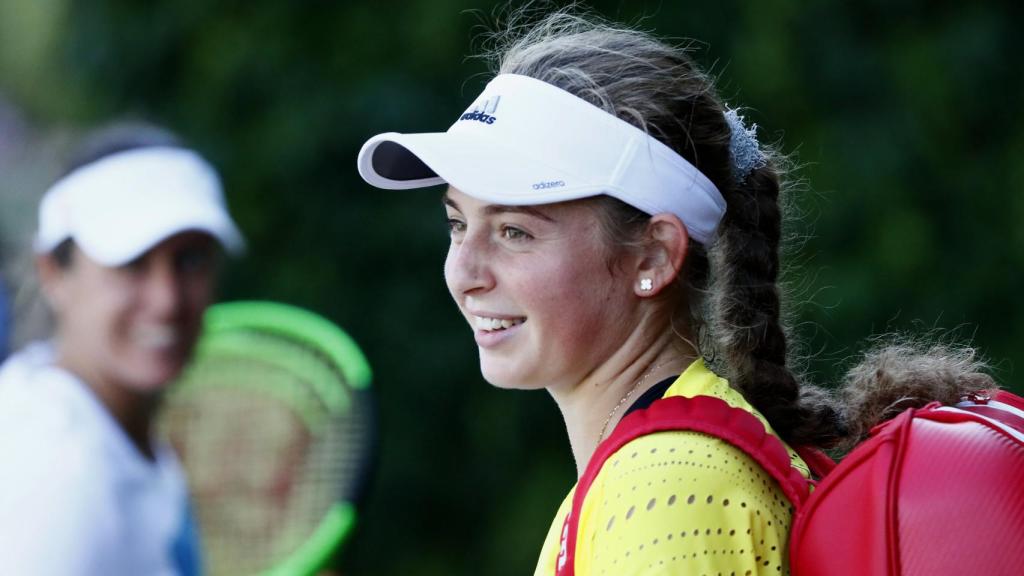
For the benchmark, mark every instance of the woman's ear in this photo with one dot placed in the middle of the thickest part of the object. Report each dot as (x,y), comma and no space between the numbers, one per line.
(665,244)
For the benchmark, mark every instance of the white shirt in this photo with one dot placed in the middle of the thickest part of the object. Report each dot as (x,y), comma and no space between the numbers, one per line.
(77,497)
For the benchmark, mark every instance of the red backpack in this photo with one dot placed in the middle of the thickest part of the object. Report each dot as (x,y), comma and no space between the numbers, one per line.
(935,491)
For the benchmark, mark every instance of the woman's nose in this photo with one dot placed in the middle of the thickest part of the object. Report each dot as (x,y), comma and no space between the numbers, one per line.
(467,268)
(163,286)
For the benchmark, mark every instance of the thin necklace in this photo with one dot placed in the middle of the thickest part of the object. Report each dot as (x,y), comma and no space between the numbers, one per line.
(636,386)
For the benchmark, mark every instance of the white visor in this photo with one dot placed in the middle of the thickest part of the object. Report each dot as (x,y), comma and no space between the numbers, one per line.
(527,142)
(121,205)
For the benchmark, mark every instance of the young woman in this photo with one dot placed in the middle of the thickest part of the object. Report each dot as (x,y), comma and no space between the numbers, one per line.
(613,223)
(127,255)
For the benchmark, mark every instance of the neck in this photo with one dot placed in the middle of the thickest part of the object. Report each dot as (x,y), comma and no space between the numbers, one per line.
(133,411)
(601,399)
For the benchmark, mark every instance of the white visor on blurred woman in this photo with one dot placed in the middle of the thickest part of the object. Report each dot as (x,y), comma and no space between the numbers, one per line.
(120,206)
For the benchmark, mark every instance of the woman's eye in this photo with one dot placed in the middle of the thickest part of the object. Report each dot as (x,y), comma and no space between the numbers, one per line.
(513,233)
(194,259)
(136,266)
(456,226)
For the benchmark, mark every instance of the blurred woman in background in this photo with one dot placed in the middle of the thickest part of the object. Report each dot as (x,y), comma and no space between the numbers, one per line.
(127,253)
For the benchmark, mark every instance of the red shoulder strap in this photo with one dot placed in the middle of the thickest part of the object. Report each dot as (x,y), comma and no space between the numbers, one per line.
(704,414)
(819,462)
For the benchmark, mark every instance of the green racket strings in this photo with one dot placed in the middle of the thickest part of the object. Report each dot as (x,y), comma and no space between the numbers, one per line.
(272,422)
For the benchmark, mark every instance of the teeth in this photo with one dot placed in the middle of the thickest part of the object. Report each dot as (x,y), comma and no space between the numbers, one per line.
(156,336)
(491,324)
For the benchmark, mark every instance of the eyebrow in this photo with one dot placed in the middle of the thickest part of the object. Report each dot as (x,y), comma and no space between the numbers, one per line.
(492,209)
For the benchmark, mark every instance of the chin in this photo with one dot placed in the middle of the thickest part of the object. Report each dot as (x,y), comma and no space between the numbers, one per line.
(155,375)
(152,384)
(499,377)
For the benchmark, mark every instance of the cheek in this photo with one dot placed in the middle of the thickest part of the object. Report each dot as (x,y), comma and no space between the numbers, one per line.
(99,313)
(572,302)
(197,296)
(448,270)
(588,306)
(575,315)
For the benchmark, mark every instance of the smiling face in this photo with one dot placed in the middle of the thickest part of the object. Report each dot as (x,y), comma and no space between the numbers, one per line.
(540,288)
(132,328)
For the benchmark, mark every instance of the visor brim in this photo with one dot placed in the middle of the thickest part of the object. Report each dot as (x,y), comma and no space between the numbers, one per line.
(480,168)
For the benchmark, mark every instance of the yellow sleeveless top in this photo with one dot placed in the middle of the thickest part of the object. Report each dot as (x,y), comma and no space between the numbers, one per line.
(680,503)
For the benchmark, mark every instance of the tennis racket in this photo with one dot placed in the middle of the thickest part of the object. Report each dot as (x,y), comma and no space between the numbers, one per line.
(273,422)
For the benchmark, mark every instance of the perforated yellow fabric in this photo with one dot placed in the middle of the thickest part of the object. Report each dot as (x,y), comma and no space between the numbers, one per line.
(680,503)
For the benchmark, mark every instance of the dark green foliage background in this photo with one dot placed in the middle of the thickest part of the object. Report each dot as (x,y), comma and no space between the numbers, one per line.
(905,116)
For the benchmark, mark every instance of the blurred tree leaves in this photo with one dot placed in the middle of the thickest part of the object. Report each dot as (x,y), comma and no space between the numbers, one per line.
(905,116)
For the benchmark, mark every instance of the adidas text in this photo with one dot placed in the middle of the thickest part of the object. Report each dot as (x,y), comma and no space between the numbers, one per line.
(479,116)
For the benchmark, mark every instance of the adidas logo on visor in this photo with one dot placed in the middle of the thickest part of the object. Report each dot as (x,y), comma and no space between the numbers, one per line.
(483,112)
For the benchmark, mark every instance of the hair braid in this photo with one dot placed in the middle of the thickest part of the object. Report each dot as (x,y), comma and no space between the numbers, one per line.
(746,315)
